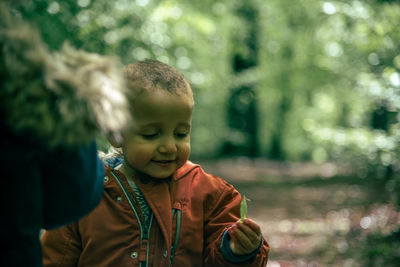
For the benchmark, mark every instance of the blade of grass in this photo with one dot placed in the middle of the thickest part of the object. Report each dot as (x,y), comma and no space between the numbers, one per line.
(243,208)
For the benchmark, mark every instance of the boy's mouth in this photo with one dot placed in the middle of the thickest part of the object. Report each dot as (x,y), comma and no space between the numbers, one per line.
(163,161)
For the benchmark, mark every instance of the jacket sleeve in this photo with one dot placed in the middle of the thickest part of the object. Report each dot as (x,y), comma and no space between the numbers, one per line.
(72,184)
(61,246)
(223,211)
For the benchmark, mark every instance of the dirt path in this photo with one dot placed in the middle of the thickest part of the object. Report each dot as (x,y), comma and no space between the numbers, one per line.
(310,215)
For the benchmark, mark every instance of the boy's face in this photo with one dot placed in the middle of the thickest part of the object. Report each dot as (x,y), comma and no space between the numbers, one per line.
(159,142)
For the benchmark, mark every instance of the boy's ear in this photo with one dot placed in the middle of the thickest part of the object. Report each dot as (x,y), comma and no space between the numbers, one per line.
(115,139)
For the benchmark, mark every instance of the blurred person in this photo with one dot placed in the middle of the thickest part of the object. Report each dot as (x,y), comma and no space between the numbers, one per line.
(159,209)
(52,105)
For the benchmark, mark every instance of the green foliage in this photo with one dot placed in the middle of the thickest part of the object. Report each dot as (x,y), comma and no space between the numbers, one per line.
(380,249)
(323,68)
(325,75)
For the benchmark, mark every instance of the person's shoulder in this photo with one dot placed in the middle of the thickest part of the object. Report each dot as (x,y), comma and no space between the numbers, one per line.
(195,173)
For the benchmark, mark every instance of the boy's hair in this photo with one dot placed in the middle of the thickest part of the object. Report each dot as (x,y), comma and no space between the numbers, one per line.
(149,75)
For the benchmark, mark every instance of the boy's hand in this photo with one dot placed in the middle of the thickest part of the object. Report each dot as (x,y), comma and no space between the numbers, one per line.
(245,237)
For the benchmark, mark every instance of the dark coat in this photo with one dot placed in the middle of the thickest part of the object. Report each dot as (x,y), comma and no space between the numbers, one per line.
(42,188)
(52,106)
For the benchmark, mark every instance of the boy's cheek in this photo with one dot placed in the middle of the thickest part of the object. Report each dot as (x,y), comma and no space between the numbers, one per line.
(185,151)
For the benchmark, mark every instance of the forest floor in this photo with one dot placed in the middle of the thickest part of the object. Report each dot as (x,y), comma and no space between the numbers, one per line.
(311,215)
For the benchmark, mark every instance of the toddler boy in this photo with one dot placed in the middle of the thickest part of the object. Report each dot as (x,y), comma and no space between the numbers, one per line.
(158,208)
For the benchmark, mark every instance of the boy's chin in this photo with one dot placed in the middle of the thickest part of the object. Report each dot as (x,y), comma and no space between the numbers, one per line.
(148,176)
(161,176)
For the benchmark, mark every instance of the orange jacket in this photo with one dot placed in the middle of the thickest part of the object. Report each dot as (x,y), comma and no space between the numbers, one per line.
(201,206)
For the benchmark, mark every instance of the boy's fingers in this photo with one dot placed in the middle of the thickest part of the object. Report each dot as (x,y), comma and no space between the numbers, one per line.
(236,247)
(241,238)
(250,234)
(245,236)
(253,225)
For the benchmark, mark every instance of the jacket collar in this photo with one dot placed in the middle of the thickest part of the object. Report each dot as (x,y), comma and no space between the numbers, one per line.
(158,196)
(113,161)
(184,170)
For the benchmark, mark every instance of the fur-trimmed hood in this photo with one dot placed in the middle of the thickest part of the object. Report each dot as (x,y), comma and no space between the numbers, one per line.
(66,97)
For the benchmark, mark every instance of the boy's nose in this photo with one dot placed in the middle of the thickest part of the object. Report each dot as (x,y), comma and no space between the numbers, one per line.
(168,146)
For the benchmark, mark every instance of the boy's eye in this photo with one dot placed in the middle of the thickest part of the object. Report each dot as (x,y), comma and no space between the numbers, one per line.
(181,135)
(150,136)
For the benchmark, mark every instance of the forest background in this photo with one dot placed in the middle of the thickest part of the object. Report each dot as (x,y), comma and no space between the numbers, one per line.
(277,83)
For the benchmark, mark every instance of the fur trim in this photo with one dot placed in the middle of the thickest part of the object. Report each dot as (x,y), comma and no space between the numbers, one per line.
(66,97)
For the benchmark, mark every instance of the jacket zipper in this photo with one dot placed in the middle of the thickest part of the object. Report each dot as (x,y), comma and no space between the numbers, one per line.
(178,214)
(144,232)
(148,239)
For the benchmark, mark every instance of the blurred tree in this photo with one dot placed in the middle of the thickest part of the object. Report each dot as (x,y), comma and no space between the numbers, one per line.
(316,80)
(242,113)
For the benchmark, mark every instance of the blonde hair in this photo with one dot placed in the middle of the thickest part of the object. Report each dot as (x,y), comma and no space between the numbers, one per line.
(65,98)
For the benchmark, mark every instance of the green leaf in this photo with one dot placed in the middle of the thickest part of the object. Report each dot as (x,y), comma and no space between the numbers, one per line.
(243,209)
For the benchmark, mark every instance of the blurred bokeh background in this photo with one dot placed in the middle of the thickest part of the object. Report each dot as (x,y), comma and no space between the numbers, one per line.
(297,105)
